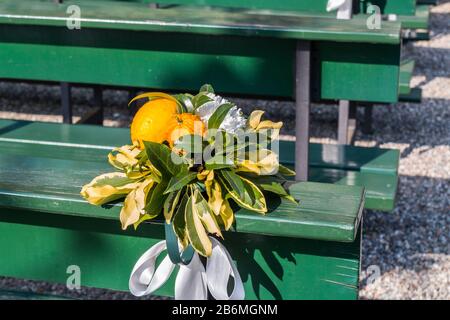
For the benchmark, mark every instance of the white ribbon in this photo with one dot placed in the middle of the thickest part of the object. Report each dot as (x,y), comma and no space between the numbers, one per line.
(343,7)
(193,280)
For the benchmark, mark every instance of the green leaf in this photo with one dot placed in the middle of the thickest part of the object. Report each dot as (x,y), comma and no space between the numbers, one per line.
(195,230)
(205,213)
(179,221)
(185,102)
(285,171)
(217,117)
(155,200)
(207,88)
(200,99)
(162,158)
(180,180)
(251,197)
(219,161)
(170,204)
(278,189)
(233,181)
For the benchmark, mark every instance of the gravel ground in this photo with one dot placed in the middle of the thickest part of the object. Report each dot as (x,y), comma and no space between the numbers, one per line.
(406,254)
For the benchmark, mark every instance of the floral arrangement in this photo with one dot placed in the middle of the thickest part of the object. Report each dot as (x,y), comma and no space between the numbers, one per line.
(193,158)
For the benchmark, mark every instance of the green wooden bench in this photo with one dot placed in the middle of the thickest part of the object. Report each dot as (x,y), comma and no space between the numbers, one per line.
(373,168)
(310,251)
(412,15)
(338,73)
(316,58)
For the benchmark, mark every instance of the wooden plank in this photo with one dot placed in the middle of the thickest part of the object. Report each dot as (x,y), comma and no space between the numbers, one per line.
(404,7)
(41,246)
(371,160)
(361,72)
(420,20)
(327,212)
(131,16)
(415,95)
(406,72)
(381,190)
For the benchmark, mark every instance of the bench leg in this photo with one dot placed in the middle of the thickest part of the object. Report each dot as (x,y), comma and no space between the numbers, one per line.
(347,121)
(367,127)
(303,102)
(66,102)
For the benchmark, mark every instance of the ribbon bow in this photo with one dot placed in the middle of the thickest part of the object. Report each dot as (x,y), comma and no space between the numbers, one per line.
(193,279)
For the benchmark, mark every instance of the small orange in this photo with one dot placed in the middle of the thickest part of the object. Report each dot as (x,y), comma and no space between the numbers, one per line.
(151,121)
(184,124)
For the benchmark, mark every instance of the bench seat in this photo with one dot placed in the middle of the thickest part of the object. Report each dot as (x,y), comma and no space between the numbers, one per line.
(310,251)
(373,168)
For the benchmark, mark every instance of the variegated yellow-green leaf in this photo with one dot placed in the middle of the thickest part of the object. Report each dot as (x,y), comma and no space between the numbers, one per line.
(142,192)
(215,198)
(227,215)
(285,171)
(267,124)
(142,218)
(108,187)
(170,204)
(249,196)
(179,222)
(129,213)
(154,95)
(123,157)
(196,231)
(133,206)
(255,119)
(261,162)
(203,210)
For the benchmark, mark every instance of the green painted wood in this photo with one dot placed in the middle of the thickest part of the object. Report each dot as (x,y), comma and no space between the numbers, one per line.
(133,16)
(420,20)
(381,190)
(36,138)
(286,5)
(327,212)
(429,2)
(363,72)
(317,6)
(406,72)
(354,71)
(41,246)
(414,96)
(375,169)
(403,7)
(370,160)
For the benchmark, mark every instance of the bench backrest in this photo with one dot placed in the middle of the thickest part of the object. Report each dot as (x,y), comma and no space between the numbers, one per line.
(404,7)
(181,48)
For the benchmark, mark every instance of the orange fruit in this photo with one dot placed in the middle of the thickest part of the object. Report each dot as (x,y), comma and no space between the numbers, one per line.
(151,121)
(184,124)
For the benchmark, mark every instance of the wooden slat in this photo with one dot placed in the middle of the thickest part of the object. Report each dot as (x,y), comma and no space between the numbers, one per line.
(30,134)
(327,212)
(420,20)
(41,246)
(133,16)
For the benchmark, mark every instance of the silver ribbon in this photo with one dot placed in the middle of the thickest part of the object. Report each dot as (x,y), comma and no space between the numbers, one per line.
(193,280)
